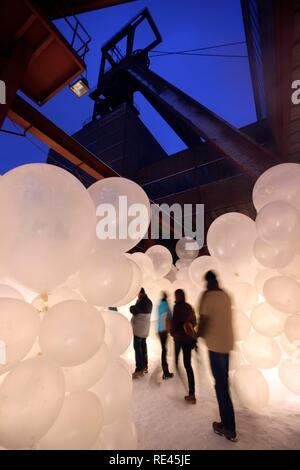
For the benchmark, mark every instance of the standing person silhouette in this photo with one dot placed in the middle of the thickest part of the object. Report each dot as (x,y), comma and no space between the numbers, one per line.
(183,322)
(215,326)
(140,322)
(163,325)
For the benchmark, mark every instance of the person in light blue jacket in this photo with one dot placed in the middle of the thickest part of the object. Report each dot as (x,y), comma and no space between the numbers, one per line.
(163,324)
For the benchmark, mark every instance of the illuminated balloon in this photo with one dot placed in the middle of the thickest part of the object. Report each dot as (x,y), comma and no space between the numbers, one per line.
(199,267)
(124,209)
(71,332)
(230,240)
(283,294)
(262,276)
(145,263)
(171,276)
(241,325)
(183,263)
(279,183)
(88,373)
(78,424)
(118,332)
(187,248)
(245,296)
(292,328)
(293,268)
(235,359)
(161,259)
(289,373)
(47,224)
(135,287)
(267,320)
(278,223)
(261,352)
(114,390)
(19,326)
(43,302)
(31,398)
(120,435)
(272,256)
(251,387)
(286,345)
(182,274)
(105,278)
(10,292)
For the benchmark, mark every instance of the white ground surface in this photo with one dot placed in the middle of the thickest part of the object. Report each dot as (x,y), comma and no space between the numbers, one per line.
(165,421)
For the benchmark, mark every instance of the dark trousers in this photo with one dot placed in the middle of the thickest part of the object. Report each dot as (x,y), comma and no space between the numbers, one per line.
(163,336)
(187,353)
(141,355)
(219,364)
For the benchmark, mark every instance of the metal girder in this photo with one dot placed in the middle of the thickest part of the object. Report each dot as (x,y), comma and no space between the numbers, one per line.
(228,141)
(23,114)
(61,8)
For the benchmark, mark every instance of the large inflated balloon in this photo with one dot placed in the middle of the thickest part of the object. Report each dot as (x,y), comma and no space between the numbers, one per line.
(43,302)
(161,259)
(278,223)
(78,424)
(31,398)
(292,328)
(10,292)
(105,278)
(187,248)
(88,373)
(279,183)
(145,264)
(272,256)
(118,202)
(114,391)
(261,277)
(230,240)
(283,293)
(71,332)
(267,320)
(244,296)
(47,224)
(120,435)
(251,387)
(199,267)
(289,373)
(241,325)
(135,286)
(261,352)
(118,332)
(293,268)
(19,326)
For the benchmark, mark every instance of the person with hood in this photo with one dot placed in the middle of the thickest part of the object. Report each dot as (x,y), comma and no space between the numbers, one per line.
(163,325)
(215,326)
(182,330)
(140,322)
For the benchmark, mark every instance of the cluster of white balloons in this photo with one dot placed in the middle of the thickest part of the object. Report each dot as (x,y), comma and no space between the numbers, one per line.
(63,383)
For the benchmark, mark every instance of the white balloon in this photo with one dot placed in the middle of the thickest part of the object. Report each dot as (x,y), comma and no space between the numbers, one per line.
(120,435)
(171,276)
(262,276)
(105,278)
(278,223)
(114,391)
(283,294)
(47,224)
(235,359)
(120,220)
(199,267)
(71,332)
(272,256)
(31,398)
(161,259)
(241,325)
(118,332)
(135,287)
(43,302)
(183,274)
(78,424)
(88,373)
(267,320)
(245,296)
(293,268)
(10,292)
(251,387)
(292,328)
(286,345)
(279,183)
(183,263)
(261,352)
(19,326)
(289,373)
(230,240)
(145,264)
(187,248)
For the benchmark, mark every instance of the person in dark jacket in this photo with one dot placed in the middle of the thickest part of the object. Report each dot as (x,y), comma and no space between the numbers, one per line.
(182,330)
(164,320)
(140,322)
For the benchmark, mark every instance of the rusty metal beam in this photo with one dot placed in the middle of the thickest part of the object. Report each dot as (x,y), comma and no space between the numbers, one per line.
(228,141)
(23,114)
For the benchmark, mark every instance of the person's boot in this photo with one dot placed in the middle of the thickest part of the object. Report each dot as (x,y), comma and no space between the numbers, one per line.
(137,374)
(191,399)
(222,431)
(168,375)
